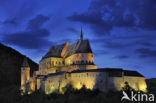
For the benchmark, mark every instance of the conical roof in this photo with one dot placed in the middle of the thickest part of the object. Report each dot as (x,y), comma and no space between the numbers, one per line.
(84,47)
(54,51)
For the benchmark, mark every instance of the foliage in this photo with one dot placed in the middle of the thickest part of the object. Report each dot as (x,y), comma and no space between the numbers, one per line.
(72,95)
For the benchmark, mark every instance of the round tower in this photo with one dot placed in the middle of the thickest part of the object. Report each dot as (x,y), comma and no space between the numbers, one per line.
(25,75)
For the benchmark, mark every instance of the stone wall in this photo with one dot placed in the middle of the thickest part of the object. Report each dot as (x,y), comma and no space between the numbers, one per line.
(52,84)
(115,83)
(79,61)
(92,80)
(138,83)
(25,77)
(32,83)
(49,65)
(80,58)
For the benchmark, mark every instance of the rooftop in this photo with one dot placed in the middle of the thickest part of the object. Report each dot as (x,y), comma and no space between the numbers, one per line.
(112,72)
(81,46)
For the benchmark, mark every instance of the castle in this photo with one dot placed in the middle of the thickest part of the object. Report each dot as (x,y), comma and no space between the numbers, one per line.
(74,64)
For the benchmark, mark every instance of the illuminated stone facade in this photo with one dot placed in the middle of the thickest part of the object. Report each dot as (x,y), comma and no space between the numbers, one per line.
(103,79)
(74,64)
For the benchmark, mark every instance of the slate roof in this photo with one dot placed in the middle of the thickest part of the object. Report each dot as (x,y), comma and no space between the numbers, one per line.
(53,74)
(72,48)
(132,73)
(81,46)
(98,70)
(54,51)
(113,72)
(40,75)
(84,47)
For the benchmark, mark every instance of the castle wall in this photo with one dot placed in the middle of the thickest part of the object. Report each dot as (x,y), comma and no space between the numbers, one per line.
(101,81)
(42,85)
(32,83)
(71,68)
(49,65)
(25,77)
(90,80)
(38,83)
(79,61)
(93,80)
(138,83)
(115,83)
(50,77)
(79,79)
(52,84)
(80,58)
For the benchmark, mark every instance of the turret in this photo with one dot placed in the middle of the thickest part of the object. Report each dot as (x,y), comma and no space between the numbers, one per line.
(25,74)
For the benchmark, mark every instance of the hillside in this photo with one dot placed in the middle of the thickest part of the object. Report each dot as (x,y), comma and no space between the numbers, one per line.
(152,80)
(151,84)
(10,66)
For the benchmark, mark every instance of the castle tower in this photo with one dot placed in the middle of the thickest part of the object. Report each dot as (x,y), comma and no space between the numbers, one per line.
(25,74)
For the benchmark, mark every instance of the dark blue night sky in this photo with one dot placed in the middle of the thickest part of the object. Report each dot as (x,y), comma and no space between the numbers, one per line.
(122,33)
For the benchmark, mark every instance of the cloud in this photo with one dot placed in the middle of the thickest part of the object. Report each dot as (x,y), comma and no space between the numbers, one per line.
(122,57)
(148,44)
(146,52)
(19,10)
(34,36)
(73,30)
(101,52)
(27,40)
(94,20)
(10,21)
(104,15)
(116,44)
(122,42)
(37,22)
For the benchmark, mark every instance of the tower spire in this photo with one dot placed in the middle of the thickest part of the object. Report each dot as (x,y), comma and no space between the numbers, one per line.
(81,37)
